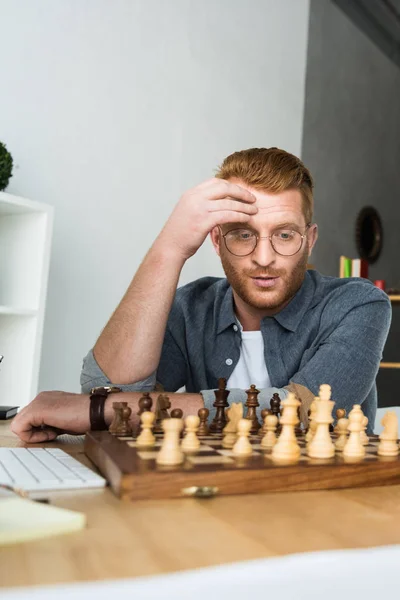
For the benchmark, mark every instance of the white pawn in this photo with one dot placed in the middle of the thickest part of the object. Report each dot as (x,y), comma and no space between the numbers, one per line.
(353,447)
(146,437)
(269,439)
(321,445)
(287,448)
(388,445)
(191,442)
(243,447)
(234,413)
(363,435)
(342,431)
(170,453)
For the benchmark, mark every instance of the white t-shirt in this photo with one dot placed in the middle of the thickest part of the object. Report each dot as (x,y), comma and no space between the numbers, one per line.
(251,367)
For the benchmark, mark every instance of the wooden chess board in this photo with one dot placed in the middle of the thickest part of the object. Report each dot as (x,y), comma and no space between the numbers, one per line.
(134,474)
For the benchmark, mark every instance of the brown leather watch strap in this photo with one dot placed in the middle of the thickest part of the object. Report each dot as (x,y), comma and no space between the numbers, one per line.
(96,411)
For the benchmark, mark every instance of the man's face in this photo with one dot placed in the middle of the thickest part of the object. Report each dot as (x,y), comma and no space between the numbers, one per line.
(265,280)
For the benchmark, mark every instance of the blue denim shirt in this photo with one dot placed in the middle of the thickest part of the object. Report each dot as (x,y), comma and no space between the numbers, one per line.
(333,331)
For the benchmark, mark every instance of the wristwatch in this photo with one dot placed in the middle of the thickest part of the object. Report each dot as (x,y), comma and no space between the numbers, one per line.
(98,397)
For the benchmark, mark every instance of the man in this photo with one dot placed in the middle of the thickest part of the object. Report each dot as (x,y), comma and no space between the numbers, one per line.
(271,322)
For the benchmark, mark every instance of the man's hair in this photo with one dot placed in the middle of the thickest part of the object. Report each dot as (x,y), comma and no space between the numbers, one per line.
(271,170)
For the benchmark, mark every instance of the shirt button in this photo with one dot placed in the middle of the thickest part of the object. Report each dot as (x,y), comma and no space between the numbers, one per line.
(229,361)
(235,328)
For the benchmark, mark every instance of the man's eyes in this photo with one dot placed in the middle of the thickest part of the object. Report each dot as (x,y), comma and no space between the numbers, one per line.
(283,235)
(242,234)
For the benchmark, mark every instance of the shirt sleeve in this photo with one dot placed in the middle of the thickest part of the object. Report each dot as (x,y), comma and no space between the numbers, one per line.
(239,395)
(172,368)
(347,358)
(93,376)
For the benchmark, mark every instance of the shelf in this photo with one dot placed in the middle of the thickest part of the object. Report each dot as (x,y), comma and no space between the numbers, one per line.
(15,205)
(18,312)
(390,365)
(25,240)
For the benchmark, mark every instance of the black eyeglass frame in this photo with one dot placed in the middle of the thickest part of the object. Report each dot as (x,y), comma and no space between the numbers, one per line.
(268,237)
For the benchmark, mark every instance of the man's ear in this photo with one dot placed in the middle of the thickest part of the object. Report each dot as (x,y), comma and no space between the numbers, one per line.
(312,237)
(215,236)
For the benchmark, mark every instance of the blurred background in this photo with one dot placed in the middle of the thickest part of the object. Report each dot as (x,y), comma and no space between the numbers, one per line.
(112,109)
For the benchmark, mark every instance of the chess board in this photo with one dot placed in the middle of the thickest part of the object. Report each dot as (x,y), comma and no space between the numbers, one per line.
(134,474)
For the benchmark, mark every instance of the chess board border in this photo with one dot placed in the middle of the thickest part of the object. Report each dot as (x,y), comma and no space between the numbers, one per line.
(131,477)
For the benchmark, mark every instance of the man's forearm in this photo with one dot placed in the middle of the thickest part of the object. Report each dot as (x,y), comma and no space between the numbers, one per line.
(130,345)
(189,403)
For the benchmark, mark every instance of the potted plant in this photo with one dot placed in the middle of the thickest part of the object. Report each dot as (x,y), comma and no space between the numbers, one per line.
(6,165)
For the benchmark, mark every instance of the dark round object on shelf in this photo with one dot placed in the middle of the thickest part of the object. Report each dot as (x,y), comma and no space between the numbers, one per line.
(369,234)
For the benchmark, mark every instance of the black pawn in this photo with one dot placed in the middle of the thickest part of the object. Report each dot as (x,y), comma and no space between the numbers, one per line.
(275,404)
(176,413)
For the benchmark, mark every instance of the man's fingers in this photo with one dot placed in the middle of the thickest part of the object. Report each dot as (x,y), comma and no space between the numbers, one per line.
(34,436)
(227,216)
(225,188)
(25,421)
(232,205)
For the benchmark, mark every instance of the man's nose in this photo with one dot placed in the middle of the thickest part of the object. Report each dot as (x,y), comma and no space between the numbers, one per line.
(264,254)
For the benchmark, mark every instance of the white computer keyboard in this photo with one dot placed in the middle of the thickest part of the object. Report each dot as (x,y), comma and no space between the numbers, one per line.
(35,469)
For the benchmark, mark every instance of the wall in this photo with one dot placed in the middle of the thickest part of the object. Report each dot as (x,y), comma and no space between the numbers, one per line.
(351,144)
(112,109)
(351,139)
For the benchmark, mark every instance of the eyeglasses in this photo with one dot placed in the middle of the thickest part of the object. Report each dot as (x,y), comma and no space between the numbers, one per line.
(242,242)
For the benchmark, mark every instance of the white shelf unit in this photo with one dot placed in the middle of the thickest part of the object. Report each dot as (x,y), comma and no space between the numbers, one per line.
(25,240)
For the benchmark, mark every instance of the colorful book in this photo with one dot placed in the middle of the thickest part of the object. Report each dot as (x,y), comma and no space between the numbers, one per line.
(359,268)
(345,267)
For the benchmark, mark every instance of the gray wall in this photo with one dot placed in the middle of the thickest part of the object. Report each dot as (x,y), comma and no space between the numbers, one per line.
(351,143)
(351,138)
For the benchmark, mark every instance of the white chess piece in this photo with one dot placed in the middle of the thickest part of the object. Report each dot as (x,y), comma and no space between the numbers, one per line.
(269,439)
(170,453)
(287,448)
(146,437)
(311,422)
(363,435)
(342,431)
(321,445)
(353,447)
(191,442)
(243,447)
(234,414)
(388,445)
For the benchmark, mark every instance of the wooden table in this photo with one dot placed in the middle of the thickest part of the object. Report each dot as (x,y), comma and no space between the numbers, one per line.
(154,537)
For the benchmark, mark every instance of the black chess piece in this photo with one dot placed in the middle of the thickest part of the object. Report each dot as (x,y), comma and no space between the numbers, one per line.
(221,403)
(203,416)
(275,404)
(163,404)
(252,404)
(176,413)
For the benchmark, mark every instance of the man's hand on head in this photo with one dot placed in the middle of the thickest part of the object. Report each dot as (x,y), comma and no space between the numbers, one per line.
(213,202)
(51,414)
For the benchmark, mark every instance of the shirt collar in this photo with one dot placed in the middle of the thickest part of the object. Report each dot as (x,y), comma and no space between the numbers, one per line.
(290,317)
